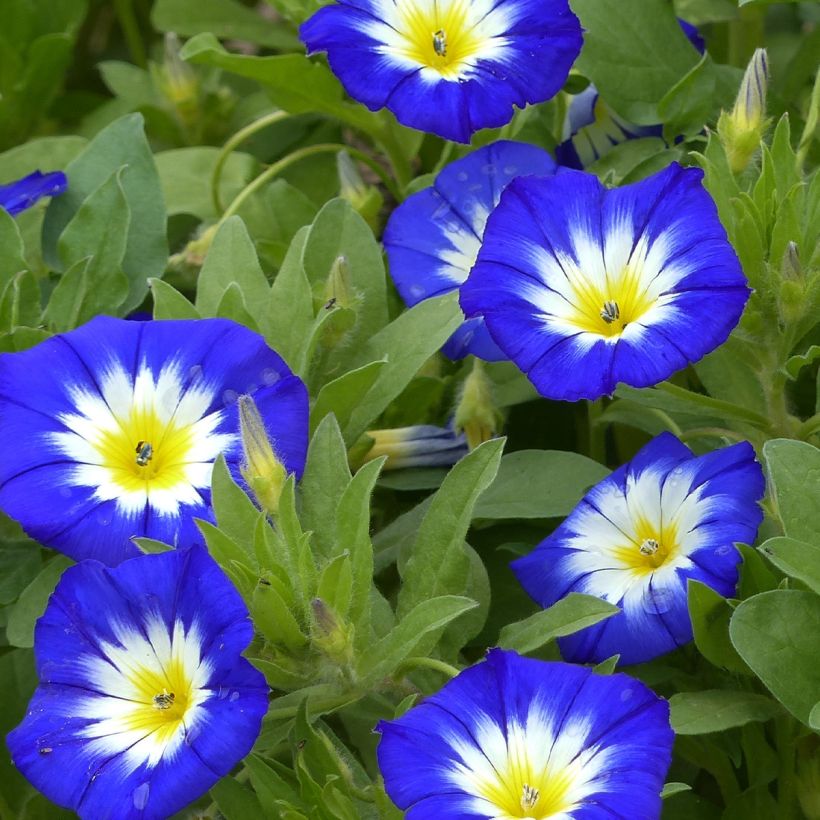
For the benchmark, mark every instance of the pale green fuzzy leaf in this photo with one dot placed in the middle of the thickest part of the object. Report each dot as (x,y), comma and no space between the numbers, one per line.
(715,710)
(32,602)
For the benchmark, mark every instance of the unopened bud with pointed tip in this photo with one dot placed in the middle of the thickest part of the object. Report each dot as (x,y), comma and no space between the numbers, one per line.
(476,413)
(261,469)
(177,81)
(742,128)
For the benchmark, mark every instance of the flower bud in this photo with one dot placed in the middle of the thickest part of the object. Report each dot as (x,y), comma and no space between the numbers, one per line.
(476,414)
(365,198)
(790,267)
(262,471)
(422,445)
(178,82)
(339,287)
(328,634)
(742,128)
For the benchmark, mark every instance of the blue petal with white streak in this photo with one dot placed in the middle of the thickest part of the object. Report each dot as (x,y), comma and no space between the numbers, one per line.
(514,733)
(637,537)
(584,287)
(432,239)
(123,422)
(144,701)
(449,67)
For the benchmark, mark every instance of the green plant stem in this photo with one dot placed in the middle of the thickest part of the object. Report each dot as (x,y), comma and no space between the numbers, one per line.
(291,159)
(428,663)
(810,427)
(233,143)
(401,164)
(787,780)
(131,31)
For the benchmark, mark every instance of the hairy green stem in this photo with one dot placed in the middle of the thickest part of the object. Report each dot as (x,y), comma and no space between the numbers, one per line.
(428,663)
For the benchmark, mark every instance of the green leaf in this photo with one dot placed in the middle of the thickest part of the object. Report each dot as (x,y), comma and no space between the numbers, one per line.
(539,484)
(151,546)
(623,159)
(224,18)
(231,260)
(428,617)
(674,788)
(169,303)
(353,536)
(273,618)
(11,248)
(293,82)
(437,563)
(795,364)
(91,250)
(234,800)
(342,396)
(777,634)
(236,514)
(710,613)
(323,484)
(715,710)
(185,174)
(635,52)
(19,564)
(274,792)
(796,558)
(32,602)
(569,615)
(122,143)
(20,302)
(794,478)
(406,344)
(289,316)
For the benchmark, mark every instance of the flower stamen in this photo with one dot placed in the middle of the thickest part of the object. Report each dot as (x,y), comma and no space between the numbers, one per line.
(611,312)
(649,546)
(164,699)
(440,43)
(529,797)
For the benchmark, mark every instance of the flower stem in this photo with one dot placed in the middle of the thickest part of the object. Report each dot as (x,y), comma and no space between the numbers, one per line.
(429,663)
(786,781)
(291,159)
(596,431)
(230,146)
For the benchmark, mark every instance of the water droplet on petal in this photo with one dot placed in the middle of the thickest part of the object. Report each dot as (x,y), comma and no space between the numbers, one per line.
(510,170)
(229,397)
(270,376)
(627,694)
(140,796)
(234,697)
(724,550)
(463,176)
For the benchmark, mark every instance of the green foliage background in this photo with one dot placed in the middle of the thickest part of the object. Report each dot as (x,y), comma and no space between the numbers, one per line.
(203,181)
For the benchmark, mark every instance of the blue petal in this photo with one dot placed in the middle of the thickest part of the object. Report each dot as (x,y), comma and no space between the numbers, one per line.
(432,238)
(620,716)
(89,604)
(541,41)
(22,194)
(37,486)
(519,283)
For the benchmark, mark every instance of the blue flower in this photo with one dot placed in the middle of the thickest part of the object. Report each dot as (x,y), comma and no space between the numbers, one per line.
(432,238)
(449,67)
(592,129)
(144,700)
(122,422)
(422,445)
(584,287)
(638,536)
(516,737)
(22,194)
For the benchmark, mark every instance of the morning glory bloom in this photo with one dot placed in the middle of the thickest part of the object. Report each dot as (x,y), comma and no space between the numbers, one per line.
(592,129)
(514,737)
(122,421)
(585,287)
(636,538)
(449,67)
(432,239)
(23,193)
(144,701)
